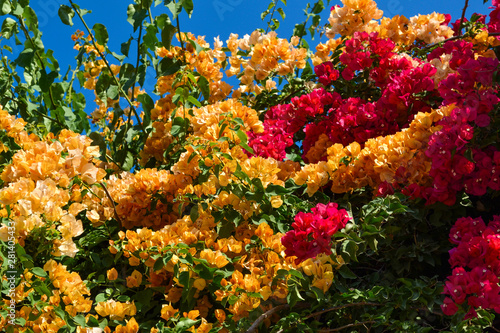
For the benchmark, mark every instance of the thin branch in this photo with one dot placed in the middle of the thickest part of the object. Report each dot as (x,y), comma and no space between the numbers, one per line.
(112,202)
(495,329)
(462,18)
(272,14)
(266,315)
(293,92)
(180,38)
(341,307)
(127,126)
(35,49)
(347,326)
(40,113)
(150,15)
(137,62)
(109,67)
(455,38)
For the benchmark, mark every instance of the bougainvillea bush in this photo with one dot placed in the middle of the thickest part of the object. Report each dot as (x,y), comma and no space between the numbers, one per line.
(265,185)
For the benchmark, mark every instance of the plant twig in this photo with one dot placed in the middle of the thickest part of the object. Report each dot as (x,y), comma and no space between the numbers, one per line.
(346,326)
(108,66)
(266,315)
(272,14)
(270,312)
(341,307)
(462,18)
(137,62)
(455,38)
(180,37)
(112,202)
(35,49)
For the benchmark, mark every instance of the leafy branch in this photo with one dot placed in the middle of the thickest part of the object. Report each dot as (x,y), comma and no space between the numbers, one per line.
(94,43)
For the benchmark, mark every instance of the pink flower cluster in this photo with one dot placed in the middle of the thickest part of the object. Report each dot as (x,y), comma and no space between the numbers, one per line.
(457,164)
(282,121)
(345,120)
(326,73)
(478,249)
(312,232)
(494,23)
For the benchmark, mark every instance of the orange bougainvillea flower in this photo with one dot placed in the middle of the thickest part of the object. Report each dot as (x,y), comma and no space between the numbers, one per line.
(115,310)
(134,280)
(112,274)
(168,311)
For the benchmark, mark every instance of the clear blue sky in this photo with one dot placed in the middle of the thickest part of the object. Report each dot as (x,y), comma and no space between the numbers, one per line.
(210,18)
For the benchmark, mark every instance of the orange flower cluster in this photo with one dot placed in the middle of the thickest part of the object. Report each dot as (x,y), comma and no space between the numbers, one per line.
(37,184)
(145,198)
(351,167)
(361,15)
(13,126)
(265,51)
(354,16)
(208,62)
(71,288)
(249,290)
(66,287)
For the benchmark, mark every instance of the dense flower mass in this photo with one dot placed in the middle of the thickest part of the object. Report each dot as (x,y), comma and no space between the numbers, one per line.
(310,194)
(475,261)
(312,232)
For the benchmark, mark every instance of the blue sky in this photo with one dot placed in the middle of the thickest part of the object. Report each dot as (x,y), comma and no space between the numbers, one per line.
(210,18)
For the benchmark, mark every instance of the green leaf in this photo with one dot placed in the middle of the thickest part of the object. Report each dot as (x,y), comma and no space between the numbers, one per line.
(167,34)
(31,20)
(346,272)
(204,87)
(225,229)
(41,288)
(175,8)
(5,7)
(188,6)
(194,213)
(281,12)
(125,46)
(102,86)
(126,159)
(293,295)
(39,272)
(98,140)
(80,320)
(178,126)
(135,17)
(9,28)
(113,91)
(101,33)
(194,101)
(150,40)
(168,66)
(243,137)
(147,105)
(93,322)
(185,323)
(66,14)
(204,272)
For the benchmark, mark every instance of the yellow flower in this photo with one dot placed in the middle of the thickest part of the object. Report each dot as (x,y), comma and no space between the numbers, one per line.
(131,327)
(115,310)
(168,311)
(200,284)
(193,314)
(276,201)
(134,280)
(220,315)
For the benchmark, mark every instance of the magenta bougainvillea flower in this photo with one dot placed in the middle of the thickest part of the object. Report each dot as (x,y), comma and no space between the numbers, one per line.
(312,232)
